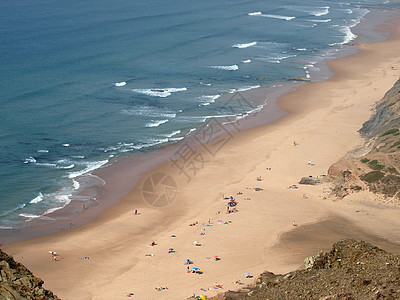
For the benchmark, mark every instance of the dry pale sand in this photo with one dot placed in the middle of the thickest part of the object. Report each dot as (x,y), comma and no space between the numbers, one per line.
(324,118)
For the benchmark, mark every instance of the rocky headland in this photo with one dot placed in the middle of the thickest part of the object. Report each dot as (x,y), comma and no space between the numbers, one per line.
(18,283)
(374,166)
(351,270)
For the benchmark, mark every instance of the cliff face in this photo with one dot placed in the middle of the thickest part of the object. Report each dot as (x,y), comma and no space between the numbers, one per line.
(386,114)
(379,169)
(351,270)
(17,282)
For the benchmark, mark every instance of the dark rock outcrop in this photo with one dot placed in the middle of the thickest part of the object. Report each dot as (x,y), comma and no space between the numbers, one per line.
(309,180)
(351,270)
(17,282)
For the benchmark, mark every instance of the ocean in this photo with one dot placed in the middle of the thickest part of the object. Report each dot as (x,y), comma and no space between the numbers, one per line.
(82,82)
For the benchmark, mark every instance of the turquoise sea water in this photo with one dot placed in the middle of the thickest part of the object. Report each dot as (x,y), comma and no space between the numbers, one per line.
(83,81)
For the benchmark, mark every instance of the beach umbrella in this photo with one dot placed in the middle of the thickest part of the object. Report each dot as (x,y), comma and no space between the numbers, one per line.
(247,274)
(171,250)
(196,269)
(232,204)
(203,297)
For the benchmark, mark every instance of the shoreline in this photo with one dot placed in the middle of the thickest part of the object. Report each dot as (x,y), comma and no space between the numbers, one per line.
(325,130)
(111,174)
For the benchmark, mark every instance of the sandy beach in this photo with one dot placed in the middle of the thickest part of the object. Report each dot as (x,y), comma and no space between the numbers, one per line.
(112,256)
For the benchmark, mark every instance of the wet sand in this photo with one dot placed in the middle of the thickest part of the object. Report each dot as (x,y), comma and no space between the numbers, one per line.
(323,119)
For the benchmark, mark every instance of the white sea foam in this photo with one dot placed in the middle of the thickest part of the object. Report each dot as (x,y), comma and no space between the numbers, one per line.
(208,99)
(175,139)
(156,123)
(67,167)
(65,145)
(227,68)
(321,12)
(150,143)
(277,58)
(6,227)
(90,166)
(320,20)
(207,84)
(63,199)
(314,11)
(349,35)
(349,11)
(30,159)
(162,93)
(246,45)
(247,61)
(247,88)
(78,156)
(278,17)
(29,216)
(301,49)
(37,199)
(51,165)
(256,13)
(43,151)
(149,111)
(51,210)
(76,184)
(169,135)
(122,83)
(191,130)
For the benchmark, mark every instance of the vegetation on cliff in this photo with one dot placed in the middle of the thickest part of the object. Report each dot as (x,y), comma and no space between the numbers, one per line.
(378,168)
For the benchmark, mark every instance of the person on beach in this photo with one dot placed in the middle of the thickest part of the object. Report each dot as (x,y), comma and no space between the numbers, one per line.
(294,223)
(136,212)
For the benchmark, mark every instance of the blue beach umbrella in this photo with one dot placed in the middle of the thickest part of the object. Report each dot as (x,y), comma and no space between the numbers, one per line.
(196,269)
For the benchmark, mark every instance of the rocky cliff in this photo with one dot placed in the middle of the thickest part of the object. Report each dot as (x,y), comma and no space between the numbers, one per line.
(377,167)
(351,270)
(17,282)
